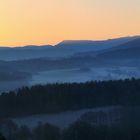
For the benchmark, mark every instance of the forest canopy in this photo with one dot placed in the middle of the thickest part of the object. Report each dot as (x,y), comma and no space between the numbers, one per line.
(59,97)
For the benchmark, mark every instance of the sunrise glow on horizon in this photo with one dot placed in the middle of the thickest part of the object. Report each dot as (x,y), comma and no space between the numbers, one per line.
(25,22)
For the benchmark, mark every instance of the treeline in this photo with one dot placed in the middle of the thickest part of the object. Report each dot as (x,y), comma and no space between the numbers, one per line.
(2,137)
(76,131)
(53,98)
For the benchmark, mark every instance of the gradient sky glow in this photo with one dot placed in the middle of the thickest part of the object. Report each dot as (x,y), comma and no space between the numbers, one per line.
(24,22)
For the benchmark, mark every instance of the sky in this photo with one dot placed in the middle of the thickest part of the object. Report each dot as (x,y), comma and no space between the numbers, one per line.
(38,22)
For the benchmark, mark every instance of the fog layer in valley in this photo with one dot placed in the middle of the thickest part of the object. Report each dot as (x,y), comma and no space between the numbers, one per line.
(83,75)
(70,61)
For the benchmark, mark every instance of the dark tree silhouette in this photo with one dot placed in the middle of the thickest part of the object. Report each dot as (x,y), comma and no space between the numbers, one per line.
(2,137)
(53,98)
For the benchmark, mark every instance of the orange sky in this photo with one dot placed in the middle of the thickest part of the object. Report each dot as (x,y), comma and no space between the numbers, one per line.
(24,22)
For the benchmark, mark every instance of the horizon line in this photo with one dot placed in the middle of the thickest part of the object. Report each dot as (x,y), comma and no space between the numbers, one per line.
(53,45)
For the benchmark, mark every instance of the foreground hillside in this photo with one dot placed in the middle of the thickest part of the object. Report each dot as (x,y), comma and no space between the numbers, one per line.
(65,119)
(92,110)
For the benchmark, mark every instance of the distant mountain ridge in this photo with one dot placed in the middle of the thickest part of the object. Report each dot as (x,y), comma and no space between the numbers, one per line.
(97,45)
(65,49)
(133,43)
(70,61)
(129,50)
(71,43)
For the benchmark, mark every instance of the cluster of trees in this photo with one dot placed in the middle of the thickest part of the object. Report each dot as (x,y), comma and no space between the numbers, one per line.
(84,131)
(42,132)
(2,137)
(77,131)
(53,98)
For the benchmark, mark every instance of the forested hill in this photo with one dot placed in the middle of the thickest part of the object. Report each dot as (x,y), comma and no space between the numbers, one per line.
(52,98)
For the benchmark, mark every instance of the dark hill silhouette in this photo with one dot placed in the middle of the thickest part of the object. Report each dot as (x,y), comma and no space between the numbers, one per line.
(64,49)
(95,45)
(129,50)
